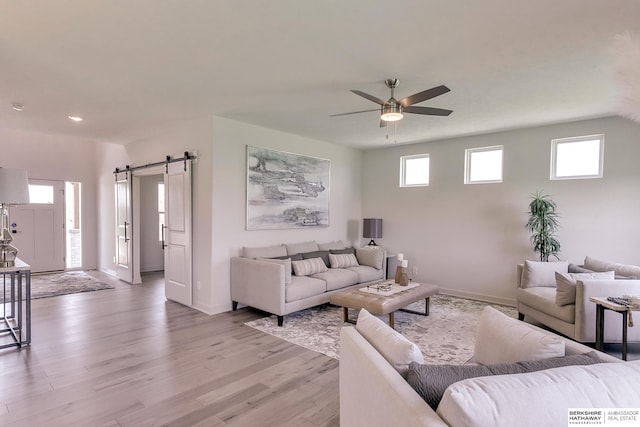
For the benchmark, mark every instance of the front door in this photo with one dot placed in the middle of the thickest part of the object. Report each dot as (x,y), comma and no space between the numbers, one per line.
(177,233)
(38,228)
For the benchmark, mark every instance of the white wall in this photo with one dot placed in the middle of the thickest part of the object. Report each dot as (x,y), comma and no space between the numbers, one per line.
(468,238)
(230,139)
(61,158)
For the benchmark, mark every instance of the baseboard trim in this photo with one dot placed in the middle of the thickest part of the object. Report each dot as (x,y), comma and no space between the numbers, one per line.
(478,297)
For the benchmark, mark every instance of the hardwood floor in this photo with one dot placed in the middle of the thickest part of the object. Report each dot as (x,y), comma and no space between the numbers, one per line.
(128,357)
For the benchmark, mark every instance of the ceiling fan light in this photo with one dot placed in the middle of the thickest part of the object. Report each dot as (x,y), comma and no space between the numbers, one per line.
(392,112)
(392,116)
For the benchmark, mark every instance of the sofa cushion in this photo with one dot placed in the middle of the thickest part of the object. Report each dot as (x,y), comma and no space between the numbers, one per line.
(622,271)
(298,248)
(307,267)
(304,287)
(566,284)
(536,273)
(343,251)
(502,339)
(540,398)
(371,256)
(366,273)
(579,269)
(544,300)
(287,267)
(430,381)
(324,255)
(264,252)
(343,260)
(395,348)
(337,278)
(335,245)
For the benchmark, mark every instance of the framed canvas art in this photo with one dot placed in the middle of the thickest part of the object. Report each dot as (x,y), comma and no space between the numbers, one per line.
(286,190)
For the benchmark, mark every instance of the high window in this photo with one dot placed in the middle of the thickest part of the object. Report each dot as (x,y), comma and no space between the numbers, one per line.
(577,158)
(483,165)
(414,170)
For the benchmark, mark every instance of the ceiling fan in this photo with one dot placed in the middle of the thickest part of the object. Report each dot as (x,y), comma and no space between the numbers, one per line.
(393,110)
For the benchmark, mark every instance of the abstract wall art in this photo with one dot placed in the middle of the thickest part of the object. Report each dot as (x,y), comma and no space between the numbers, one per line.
(286,190)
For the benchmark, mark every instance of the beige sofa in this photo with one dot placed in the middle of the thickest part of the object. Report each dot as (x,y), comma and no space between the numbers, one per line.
(262,277)
(537,297)
(374,393)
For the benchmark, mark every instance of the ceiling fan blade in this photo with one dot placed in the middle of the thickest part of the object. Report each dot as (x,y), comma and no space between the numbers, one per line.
(369,97)
(429,111)
(354,112)
(382,123)
(424,95)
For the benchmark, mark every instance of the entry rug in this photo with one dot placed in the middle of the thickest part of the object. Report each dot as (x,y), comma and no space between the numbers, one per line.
(54,284)
(447,335)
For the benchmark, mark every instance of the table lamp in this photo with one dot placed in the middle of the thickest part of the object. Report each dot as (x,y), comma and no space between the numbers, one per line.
(14,190)
(372,229)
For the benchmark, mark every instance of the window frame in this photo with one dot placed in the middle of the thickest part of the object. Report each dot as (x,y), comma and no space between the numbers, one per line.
(554,157)
(468,164)
(403,170)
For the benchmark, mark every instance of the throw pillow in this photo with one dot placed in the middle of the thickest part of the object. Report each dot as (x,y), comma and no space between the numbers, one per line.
(343,251)
(395,348)
(309,266)
(579,269)
(566,284)
(502,339)
(536,273)
(324,255)
(287,267)
(343,260)
(371,256)
(430,381)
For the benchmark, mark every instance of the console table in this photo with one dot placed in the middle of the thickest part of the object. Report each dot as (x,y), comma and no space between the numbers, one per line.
(16,312)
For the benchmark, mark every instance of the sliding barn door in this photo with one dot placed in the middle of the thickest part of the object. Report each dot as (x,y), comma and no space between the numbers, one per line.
(177,233)
(124,229)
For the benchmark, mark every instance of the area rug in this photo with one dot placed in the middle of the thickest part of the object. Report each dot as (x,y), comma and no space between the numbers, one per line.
(447,335)
(54,284)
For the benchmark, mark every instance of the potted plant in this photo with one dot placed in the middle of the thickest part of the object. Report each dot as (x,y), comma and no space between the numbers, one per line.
(543,223)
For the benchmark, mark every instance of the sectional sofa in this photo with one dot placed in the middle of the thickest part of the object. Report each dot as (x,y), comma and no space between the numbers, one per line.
(557,294)
(376,368)
(285,278)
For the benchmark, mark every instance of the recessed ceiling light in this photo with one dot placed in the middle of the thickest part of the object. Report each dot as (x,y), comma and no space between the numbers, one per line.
(76,118)
(17,106)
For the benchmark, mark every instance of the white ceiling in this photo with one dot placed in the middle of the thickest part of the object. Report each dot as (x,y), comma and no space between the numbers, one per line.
(133,68)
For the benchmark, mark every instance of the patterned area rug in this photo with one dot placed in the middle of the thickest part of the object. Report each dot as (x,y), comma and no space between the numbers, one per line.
(447,335)
(54,284)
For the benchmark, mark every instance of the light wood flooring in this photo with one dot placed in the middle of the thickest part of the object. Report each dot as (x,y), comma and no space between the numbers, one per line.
(128,357)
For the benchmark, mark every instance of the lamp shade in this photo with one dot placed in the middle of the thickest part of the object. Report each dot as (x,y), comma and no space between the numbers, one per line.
(14,187)
(372,228)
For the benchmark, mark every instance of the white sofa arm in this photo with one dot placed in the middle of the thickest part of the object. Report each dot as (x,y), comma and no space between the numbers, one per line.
(259,284)
(372,392)
(586,310)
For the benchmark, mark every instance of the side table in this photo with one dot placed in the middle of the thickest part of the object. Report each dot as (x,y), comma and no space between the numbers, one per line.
(16,313)
(603,304)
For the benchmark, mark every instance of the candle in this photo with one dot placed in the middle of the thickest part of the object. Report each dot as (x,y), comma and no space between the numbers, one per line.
(405,263)
(400,257)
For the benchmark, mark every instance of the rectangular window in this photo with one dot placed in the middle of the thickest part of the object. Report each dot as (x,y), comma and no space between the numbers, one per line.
(483,165)
(41,194)
(577,158)
(414,170)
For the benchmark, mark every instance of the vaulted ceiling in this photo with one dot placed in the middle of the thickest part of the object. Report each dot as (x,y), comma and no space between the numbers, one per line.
(135,68)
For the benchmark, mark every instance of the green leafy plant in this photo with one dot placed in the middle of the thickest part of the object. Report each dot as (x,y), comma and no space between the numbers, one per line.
(543,223)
